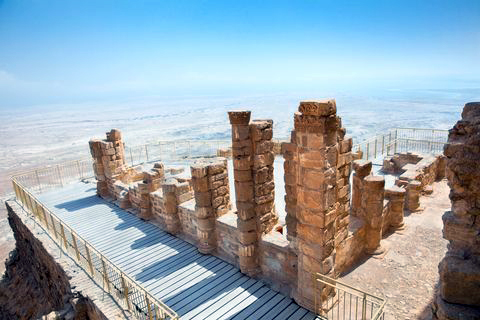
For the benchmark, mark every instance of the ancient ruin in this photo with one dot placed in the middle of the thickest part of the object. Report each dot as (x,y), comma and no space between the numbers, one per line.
(459,287)
(338,205)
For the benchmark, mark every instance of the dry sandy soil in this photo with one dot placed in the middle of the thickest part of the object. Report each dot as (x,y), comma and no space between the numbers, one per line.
(407,273)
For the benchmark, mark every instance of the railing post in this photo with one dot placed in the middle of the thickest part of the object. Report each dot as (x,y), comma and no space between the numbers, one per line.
(75,246)
(375,149)
(125,291)
(105,275)
(314,279)
(146,152)
(364,307)
(38,181)
(368,149)
(89,259)
(148,307)
(59,175)
(383,144)
(45,219)
(131,157)
(62,230)
(53,226)
(396,139)
(80,173)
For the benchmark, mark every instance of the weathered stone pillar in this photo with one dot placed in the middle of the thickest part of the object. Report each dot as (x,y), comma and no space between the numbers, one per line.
(170,215)
(459,289)
(108,161)
(362,169)
(290,166)
(242,152)
(412,198)
(396,197)
(253,157)
(316,133)
(374,190)
(212,199)
(261,132)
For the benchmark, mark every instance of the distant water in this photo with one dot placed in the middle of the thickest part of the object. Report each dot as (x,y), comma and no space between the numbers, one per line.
(49,134)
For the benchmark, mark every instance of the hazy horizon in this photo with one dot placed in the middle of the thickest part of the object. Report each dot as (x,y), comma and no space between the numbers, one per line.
(72,52)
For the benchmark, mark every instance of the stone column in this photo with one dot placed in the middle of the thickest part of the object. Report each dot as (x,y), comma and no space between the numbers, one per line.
(362,169)
(212,199)
(316,133)
(372,202)
(170,215)
(290,166)
(242,154)
(459,289)
(261,132)
(108,161)
(396,197)
(412,199)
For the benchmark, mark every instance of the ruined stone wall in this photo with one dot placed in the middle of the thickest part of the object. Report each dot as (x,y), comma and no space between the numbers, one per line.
(459,288)
(278,262)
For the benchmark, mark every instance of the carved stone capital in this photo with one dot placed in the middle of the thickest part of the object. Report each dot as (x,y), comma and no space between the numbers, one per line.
(321,108)
(239,117)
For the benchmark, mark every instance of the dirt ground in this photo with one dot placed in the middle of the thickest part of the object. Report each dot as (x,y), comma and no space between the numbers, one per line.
(407,273)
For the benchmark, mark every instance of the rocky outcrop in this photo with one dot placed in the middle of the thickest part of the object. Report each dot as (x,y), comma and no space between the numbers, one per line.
(34,285)
(459,288)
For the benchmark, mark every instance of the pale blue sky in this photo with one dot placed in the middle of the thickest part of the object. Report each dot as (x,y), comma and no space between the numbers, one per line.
(74,51)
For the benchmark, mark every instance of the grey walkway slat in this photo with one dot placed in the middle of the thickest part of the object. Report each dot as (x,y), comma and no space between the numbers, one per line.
(196,286)
(288,311)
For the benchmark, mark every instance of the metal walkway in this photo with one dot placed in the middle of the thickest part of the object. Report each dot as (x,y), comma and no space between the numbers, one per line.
(196,286)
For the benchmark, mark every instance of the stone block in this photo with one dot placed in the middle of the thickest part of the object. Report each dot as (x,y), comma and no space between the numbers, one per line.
(203,199)
(240,133)
(319,108)
(247,225)
(460,281)
(362,168)
(241,117)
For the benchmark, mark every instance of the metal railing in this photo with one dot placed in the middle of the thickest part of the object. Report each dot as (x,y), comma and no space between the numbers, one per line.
(174,150)
(346,302)
(426,141)
(122,288)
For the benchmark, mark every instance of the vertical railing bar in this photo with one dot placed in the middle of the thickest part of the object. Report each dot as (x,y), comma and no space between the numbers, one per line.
(89,260)
(75,245)
(364,307)
(53,226)
(38,181)
(62,230)
(148,307)
(350,307)
(356,308)
(125,291)
(105,276)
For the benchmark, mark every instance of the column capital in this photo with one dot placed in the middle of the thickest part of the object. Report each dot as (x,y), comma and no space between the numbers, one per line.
(240,117)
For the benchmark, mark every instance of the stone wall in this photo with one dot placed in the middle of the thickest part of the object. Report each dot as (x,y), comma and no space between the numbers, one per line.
(278,262)
(459,287)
